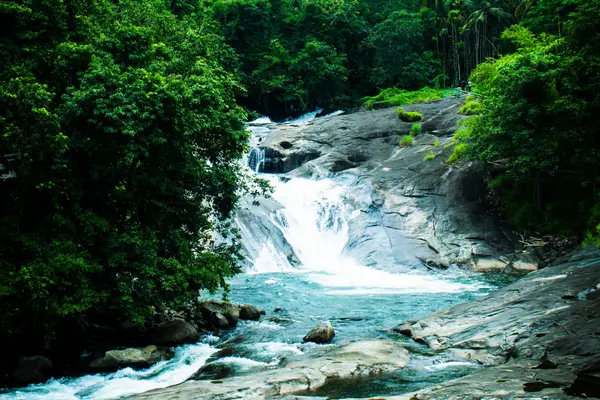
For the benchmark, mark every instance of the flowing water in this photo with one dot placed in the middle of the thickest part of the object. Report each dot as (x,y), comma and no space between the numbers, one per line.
(322,284)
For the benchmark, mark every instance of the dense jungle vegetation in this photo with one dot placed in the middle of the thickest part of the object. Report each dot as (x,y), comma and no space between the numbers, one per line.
(122,123)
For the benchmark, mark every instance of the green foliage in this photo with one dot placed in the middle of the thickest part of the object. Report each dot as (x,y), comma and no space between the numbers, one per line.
(471,107)
(430,156)
(393,97)
(459,152)
(592,239)
(540,123)
(119,146)
(410,116)
(406,141)
(399,58)
(415,129)
(436,143)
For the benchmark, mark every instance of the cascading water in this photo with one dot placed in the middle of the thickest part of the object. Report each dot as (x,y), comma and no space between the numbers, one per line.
(256,160)
(298,272)
(314,221)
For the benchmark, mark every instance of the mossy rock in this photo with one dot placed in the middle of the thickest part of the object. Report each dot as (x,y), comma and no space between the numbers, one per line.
(410,116)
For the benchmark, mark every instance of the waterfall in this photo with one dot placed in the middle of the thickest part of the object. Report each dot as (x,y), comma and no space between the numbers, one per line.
(256,161)
(314,220)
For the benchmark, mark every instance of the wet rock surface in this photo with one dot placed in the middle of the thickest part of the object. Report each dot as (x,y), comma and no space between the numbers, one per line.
(321,333)
(136,358)
(413,211)
(349,361)
(251,313)
(173,333)
(540,335)
(33,369)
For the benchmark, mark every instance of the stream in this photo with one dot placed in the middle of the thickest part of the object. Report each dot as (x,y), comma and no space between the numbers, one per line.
(362,302)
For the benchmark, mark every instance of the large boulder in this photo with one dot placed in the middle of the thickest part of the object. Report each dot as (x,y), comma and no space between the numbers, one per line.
(218,320)
(321,333)
(249,312)
(208,309)
(34,369)
(134,358)
(173,333)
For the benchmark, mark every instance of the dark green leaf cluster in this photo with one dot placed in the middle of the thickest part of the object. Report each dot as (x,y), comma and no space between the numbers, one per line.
(119,147)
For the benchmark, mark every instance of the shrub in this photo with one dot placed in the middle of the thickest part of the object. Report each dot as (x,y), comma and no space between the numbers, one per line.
(471,107)
(592,239)
(459,151)
(415,129)
(436,143)
(392,97)
(410,116)
(429,156)
(406,141)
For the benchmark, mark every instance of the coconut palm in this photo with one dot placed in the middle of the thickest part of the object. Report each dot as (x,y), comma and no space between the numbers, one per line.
(485,17)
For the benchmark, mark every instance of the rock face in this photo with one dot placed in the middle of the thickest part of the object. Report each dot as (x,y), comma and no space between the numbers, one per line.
(173,333)
(35,369)
(540,334)
(134,358)
(252,221)
(413,211)
(301,374)
(321,333)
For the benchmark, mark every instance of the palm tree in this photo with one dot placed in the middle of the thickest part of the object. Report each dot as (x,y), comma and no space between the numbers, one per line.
(486,17)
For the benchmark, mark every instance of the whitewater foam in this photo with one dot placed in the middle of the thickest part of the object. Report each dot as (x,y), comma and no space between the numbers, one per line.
(314,221)
(125,382)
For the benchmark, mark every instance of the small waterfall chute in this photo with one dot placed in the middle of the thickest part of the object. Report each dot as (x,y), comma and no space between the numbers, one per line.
(256,160)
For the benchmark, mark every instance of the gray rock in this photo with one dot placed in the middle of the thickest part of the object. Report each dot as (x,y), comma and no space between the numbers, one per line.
(321,333)
(136,358)
(230,311)
(351,361)
(218,320)
(411,209)
(537,334)
(173,333)
(34,369)
(249,312)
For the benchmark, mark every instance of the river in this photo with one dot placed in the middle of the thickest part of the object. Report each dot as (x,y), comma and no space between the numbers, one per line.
(325,285)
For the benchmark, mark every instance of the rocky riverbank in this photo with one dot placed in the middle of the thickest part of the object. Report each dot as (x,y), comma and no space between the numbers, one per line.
(539,338)
(297,374)
(539,335)
(108,347)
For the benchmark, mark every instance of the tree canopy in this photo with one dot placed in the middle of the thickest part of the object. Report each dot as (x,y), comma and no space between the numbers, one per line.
(119,151)
(539,119)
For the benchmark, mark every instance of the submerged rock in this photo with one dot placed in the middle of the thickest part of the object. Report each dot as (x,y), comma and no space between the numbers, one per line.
(173,333)
(34,369)
(321,333)
(302,373)
(136,358)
